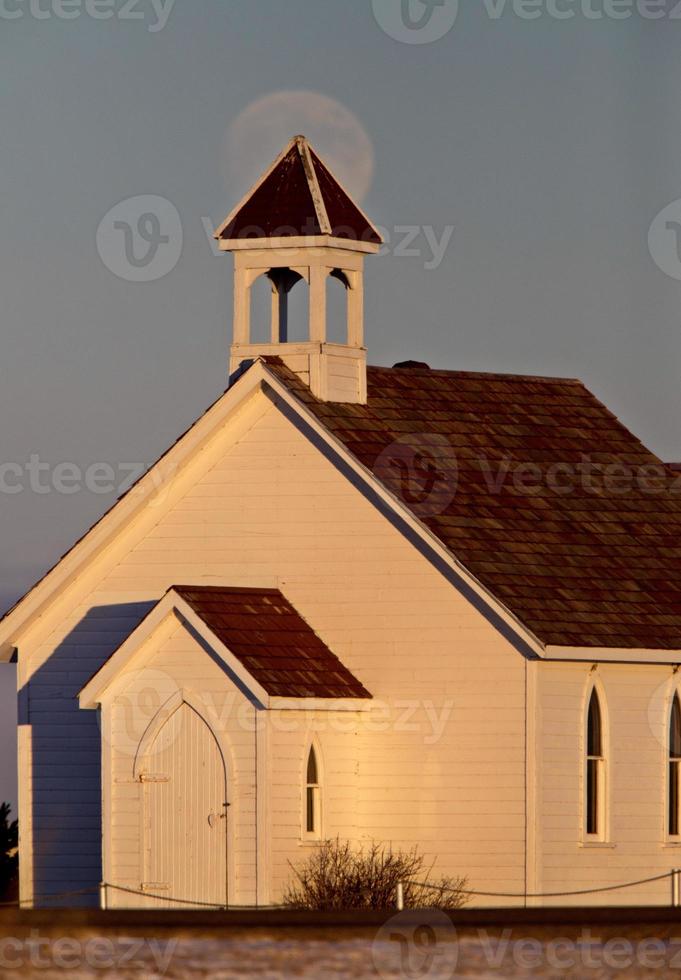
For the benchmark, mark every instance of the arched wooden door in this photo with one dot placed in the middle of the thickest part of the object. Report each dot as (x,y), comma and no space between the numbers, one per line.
(185,813)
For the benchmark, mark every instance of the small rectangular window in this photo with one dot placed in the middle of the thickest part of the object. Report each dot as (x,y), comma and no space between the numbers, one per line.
(592,796)
(674,762)
(311,810)
(311,815)
(673,798)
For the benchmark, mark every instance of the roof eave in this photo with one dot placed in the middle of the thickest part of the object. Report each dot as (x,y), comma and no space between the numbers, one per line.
(622,655)
(363,703)
(300,241)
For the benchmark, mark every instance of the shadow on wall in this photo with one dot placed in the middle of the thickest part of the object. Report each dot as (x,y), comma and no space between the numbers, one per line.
(8,735)
(66,753)
(8,720)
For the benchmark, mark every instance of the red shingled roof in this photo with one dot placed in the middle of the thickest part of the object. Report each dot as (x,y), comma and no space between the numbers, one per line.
(273,642)
(590,559)
(283,204)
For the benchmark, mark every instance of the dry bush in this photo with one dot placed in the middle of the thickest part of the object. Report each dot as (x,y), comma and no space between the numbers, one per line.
(337,876)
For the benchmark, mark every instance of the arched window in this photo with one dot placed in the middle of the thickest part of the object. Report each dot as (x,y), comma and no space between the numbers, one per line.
(261,303)
(279,312)
(674,762)
(595,760)
(312,803)
(337,286)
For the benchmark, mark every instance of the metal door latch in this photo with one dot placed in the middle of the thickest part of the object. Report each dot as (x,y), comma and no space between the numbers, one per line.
(214,817)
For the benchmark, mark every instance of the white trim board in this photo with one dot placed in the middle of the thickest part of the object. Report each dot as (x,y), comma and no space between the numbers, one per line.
(622,655)
(297,241)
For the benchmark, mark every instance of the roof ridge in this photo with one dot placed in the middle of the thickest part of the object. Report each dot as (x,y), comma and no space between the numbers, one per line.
(452,372)
(303,148)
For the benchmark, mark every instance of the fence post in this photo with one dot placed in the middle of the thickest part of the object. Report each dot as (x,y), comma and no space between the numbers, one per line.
(400,896)
(102,895)
(676,890)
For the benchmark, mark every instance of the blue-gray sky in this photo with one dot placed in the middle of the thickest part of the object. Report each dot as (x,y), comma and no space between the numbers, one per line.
(547,145)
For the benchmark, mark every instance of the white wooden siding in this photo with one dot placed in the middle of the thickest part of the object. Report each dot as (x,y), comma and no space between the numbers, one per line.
(262,507)
(635,701)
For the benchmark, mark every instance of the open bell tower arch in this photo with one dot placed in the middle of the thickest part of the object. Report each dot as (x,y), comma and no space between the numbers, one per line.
(298,224)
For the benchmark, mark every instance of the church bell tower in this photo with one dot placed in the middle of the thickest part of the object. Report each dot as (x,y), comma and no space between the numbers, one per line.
(299,224)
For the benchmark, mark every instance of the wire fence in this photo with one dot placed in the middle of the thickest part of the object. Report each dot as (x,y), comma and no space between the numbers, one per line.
(28,903)
(105,887)
(562,894)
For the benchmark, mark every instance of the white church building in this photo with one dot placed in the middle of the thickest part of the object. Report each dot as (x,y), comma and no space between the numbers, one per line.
(401,604)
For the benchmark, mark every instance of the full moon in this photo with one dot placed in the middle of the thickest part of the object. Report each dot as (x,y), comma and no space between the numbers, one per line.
(260,132)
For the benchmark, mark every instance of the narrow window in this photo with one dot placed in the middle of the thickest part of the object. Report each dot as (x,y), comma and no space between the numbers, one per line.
(674,761)
(312,795)
(337,286)
(594,767)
